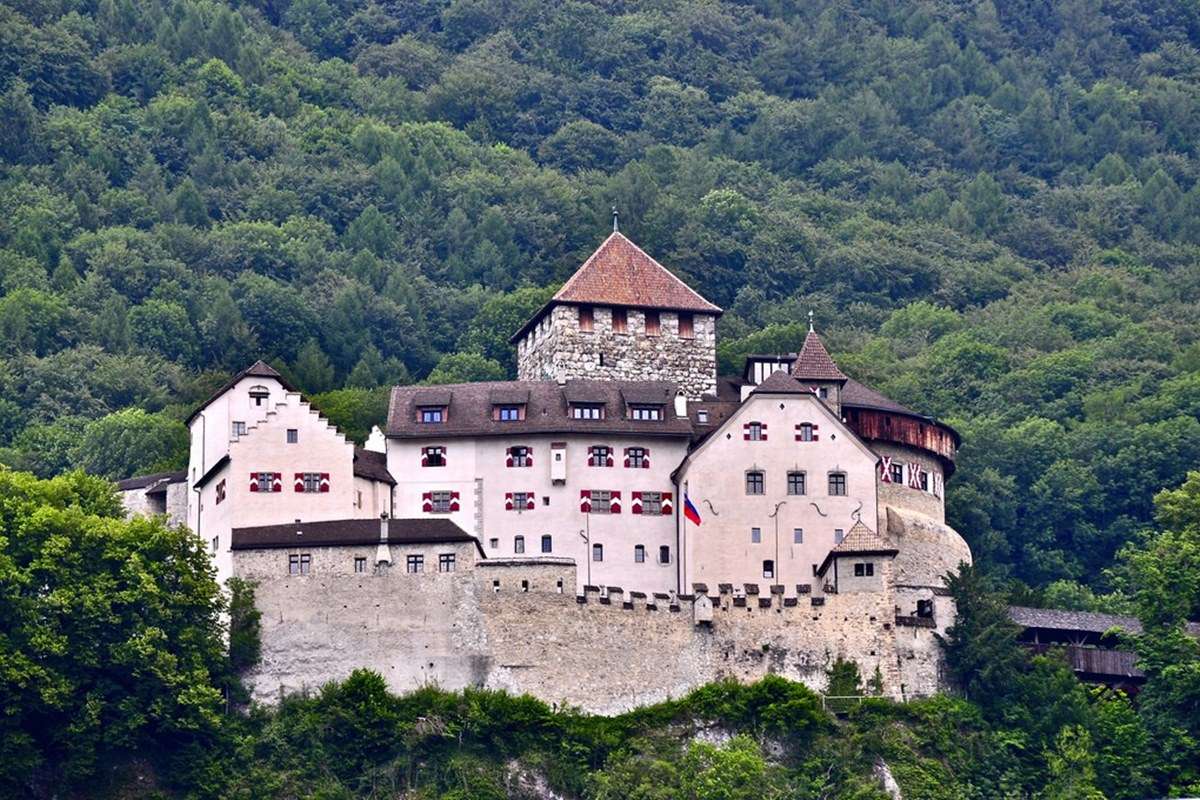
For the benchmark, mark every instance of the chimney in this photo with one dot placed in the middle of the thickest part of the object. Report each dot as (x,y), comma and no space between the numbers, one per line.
(383,554)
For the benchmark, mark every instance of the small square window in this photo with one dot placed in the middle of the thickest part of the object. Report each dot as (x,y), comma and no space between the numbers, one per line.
(446,562)
(299,563)
(755,431)
(509,413)
(293,436)
(415,564)
(864,570)
(433,456)
(312,482)
(520,456)
(806,432)
(646,413)
(360,564)
(494,544)
(702,416)
(635,457)
(587,411)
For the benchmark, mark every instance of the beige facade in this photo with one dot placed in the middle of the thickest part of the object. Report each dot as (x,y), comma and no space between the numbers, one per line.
(740,530)
(489,494)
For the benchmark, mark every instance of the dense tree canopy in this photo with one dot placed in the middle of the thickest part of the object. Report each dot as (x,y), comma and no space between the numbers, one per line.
(992,208)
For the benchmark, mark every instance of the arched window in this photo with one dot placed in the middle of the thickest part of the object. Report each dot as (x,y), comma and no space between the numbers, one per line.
(597,552)
(639,554)
(259,394)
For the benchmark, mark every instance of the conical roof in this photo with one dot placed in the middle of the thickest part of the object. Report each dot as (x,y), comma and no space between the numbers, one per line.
(620,273)
(814,362)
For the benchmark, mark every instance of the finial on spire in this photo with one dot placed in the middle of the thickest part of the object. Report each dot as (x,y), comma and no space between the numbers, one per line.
(614,210)
(810,321)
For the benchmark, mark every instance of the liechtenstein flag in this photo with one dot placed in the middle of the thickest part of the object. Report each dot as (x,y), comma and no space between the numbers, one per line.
(690,511)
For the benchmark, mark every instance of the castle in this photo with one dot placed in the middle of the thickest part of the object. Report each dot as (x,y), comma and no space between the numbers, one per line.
(616,526)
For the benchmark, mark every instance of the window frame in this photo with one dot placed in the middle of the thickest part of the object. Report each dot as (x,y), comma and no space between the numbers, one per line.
(431,415)
(639,554)
(646,412)
(797,478)
(755,535)
(605,497)
(293,436)
(806,432)
(768,568)
(587,411)
(637,457)
(447,562)
(438,507)
(547,543)
(414,564)
(754,430)
(838,484)
(360,565)
(597,552)
(756,482)
(652,504)
(519,544)
(433,453)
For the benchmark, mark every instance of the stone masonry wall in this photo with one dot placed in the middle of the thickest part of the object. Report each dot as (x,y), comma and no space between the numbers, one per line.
(605,654)
(557,349)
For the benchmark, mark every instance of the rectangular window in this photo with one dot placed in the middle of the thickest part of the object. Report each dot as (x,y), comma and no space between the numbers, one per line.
(796,483)
(898,473)
(652,504)
(755,483)
(494,544)
(220,491)
(837,484)
(864,570)
(702,416)
(664,554)
(547,543)
(360,564)
(519,544)
(806,432)
(686,328)
(216,542)
(756,535)
(587,411)
(513,413)
(446,562)
(415,564)
(646,413)
(600,455)
(239,428)
(597,552)
(433,457)
(266,481)
(299,564)
(838,535)
(312,482)
(620,321)
(754,431)
(639,554)
(520,501)
(768,568)
(635,457)
(586,319)
(441,502)
(293,436)
(923,479)
(652,323)
(601,501)
(520,456)
(797,535)
(433,414)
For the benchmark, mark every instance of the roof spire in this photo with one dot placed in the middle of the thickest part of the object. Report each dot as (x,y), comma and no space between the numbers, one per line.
(614,210)
(810,321)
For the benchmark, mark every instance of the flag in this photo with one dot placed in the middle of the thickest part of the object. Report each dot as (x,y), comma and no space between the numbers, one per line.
(690,511)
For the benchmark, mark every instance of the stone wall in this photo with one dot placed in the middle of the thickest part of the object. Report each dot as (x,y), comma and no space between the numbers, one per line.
(603,653)
(556,349)
(929,503)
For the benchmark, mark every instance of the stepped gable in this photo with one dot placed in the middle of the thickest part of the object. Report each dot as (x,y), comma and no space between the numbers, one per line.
(619,273)
(814,362)
(859,541)
(372,466)
(547,408)
(259,369)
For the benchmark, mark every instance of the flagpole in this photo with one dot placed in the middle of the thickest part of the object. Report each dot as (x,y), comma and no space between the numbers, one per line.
(682,511)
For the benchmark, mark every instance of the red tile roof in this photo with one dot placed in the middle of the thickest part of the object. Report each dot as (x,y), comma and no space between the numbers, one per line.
(620,273)
(814,362)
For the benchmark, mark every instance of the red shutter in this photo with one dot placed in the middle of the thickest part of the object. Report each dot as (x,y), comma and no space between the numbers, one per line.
(746,432)
(914,474)
(610,458)
(508,459)
(454,501)
(667,507)
(591,456)
(508,503)
(885,469)
(529,501)
(815,436)
(424,456)
(585,501)
(254,481)
(635,502)
(646,458)
(277,482)
(615,506)
(299,487)
(626,458)
(427,502)
(324,481)
(763,427)
(529,457)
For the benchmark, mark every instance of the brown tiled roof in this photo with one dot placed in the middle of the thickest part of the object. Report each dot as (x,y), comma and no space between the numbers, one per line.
(469,409)
(151,482)
(860,396)
(259,369)
(619,273)
(349,532)
(1086,621)
(859,541)
(814,362)
(780,383)
(372,466)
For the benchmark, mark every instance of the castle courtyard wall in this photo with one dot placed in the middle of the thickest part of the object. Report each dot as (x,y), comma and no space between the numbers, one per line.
(602,653)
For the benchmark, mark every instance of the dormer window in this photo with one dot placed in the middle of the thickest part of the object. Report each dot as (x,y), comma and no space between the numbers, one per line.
(431,414)
(508,413)
(648,413)
(259,394)
(702,416)
(587,411)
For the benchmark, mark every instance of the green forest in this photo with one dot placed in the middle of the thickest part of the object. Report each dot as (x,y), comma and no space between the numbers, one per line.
(116,683)
(993,210)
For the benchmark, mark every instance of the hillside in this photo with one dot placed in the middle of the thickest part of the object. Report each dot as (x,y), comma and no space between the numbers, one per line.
(993,211)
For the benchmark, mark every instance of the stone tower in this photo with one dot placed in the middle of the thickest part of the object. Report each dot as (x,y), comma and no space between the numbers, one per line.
(622,315)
